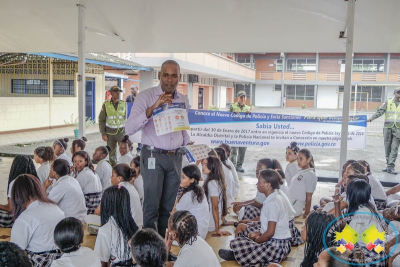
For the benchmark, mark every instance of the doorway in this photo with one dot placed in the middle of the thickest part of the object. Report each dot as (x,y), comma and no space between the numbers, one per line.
(90,96)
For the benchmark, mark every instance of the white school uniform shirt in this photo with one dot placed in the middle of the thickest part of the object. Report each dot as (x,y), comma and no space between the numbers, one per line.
(64,156)
(274,210)
(89,181)
(198,254)
(127,158)
(260,197)
(214,191)
(138,184)
(104,171)
(107,241)
(43,171)
(82,257)
(33,230)
(377,190)
(291,170)
(68,195)
(230,185)
(199,210)
(136,206)
(235,178)
(305,181)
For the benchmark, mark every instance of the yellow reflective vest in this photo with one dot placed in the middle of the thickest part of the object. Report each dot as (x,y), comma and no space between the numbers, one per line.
(235,107)
(391,113)
(116,118)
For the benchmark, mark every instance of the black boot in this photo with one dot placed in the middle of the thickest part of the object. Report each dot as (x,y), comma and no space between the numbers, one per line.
(226,254)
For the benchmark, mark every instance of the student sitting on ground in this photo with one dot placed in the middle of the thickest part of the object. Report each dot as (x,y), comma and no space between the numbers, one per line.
(377,191)
(193,199)
(43,155)
(60,147)
(35,216)
(312,232)
(125,148)
(195,252)
(78,145)
(88,180)
(148,248)
(347,259)
(68,236)
(137,181)
(13,256)
(227,148)
(117,227)
(291,156)
(20,165)
(271,242)
(66,192)
(103,168)
(230,187)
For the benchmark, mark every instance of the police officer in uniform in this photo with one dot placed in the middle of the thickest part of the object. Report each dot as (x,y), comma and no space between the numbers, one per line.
(112,119)
(238,153)
(391,129)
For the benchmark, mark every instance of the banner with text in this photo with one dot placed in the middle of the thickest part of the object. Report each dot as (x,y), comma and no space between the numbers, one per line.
(273,130)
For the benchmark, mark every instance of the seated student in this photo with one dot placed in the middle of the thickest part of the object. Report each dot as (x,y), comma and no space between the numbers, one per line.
(103,168)
(230,186)
(291,156)
(270,242)
(215,191)
(68,236)
(193,199)
(125,147)
(195,252)
(78,145)
(88,180)
(314,226)
(227,148)
(346,259)
(148,248)
(137,181)
(20,165)
(377,191)
(60,146)
(13,256)
(303,184)
(36,216)
(358,197)
(117,227)
(252,209)
(66,192)
(43,155)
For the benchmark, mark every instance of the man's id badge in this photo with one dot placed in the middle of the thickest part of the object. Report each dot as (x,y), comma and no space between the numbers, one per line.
(151,164)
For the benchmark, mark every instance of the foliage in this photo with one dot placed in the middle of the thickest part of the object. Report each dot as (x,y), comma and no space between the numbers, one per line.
(75,122)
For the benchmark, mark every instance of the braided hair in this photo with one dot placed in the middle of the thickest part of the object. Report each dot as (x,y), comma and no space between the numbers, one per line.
(217,174)
(185,224)
(354,256)
(193,172)
(22,164)
(293,146)
(222,156)
(315,225)
(12,255)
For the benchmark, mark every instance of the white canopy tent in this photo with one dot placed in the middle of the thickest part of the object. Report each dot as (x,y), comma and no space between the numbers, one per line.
(219,26)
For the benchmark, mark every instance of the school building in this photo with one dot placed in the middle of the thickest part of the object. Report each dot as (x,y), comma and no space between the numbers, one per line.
(316,80)
(39,91)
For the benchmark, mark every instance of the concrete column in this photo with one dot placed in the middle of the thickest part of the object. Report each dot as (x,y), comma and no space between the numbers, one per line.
(190,93)
(81,71)
(216,93)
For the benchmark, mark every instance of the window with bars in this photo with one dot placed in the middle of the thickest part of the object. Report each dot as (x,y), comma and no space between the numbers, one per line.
(63,87)
(278,65)
(300,92)
(366,93)
(28,86)
(301,65)
(366,65)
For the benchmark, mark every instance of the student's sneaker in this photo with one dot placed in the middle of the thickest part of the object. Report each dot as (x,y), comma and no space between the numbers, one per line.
(226,254)
(391,171)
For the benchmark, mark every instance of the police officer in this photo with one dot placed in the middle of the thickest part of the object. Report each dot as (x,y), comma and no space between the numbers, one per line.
(391,129)
(238,153)
(112,120)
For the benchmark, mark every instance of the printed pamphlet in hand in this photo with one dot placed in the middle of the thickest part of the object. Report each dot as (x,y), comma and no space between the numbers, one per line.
(170,118)
(196,152)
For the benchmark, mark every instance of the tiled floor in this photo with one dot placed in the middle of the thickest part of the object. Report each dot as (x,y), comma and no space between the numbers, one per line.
(248,191)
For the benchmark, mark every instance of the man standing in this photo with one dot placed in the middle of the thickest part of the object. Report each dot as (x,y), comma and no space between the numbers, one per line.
(238,153)
(112,120)
(391,129)
(161,159)
(131,98)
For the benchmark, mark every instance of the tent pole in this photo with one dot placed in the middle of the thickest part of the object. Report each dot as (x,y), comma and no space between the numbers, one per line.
(347,83)
(81,71)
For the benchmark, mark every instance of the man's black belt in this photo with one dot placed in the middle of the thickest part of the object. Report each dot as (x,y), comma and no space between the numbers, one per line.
(163,151)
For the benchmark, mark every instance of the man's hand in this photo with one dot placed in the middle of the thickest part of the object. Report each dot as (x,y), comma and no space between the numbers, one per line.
(248,112)
(105,138)
(163,99)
